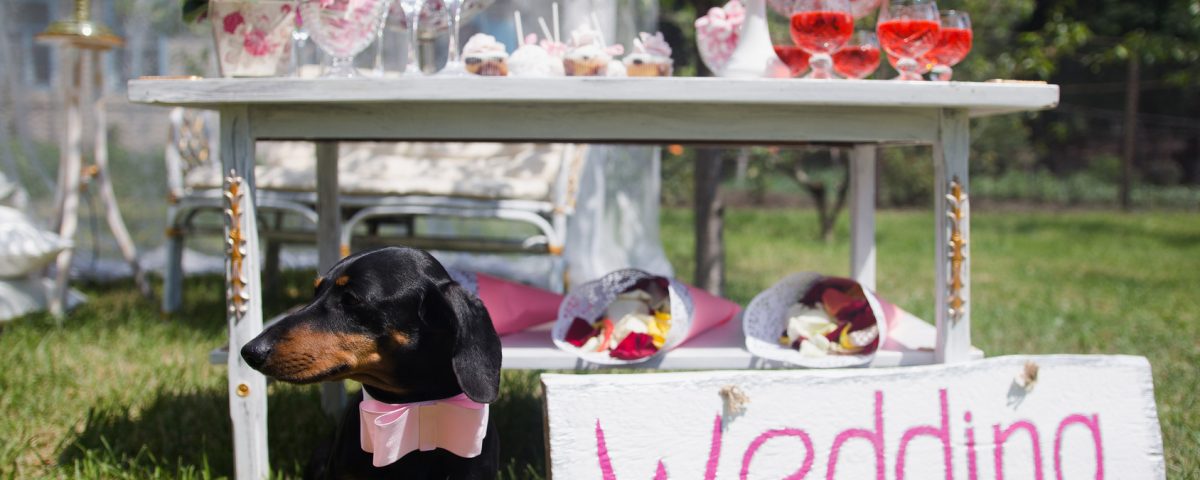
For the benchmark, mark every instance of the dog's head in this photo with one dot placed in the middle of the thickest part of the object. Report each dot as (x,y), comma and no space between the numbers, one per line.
(391,319)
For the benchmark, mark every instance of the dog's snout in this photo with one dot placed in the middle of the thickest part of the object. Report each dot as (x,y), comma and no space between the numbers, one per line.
(256,352)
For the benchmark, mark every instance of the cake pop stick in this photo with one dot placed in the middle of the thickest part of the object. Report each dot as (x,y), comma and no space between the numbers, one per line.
(599,32)
(517,23)
(545,29)
(554,8)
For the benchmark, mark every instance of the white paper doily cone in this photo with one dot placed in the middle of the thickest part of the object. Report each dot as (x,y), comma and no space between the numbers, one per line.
(766,317)
(590,300)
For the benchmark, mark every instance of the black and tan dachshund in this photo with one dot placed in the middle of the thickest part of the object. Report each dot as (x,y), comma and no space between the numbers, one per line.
(393,320)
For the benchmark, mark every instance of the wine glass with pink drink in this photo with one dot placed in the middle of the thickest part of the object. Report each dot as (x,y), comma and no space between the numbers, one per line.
(907,30)
(821,27)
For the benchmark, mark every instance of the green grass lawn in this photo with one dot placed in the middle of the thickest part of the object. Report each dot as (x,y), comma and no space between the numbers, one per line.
(118,392)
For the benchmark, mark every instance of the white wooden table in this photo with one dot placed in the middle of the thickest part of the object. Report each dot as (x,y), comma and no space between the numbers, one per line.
(701,110)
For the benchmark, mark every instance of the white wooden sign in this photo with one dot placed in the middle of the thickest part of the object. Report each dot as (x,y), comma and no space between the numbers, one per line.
(1085,417)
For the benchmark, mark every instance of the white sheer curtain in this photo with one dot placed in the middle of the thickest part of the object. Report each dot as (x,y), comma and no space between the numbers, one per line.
(615,224)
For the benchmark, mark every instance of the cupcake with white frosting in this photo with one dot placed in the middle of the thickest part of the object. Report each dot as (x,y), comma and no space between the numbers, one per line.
(651,57)
(484,56)
(586,54)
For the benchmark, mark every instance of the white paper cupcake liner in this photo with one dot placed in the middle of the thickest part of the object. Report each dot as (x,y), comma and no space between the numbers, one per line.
(766,317)
(590,300)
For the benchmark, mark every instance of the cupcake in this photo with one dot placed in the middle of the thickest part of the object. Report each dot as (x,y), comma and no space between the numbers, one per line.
(586,54)
(534,60)
(483,55)
(651,57)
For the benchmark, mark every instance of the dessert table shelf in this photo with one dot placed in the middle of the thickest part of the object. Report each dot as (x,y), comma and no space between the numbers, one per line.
(862,114)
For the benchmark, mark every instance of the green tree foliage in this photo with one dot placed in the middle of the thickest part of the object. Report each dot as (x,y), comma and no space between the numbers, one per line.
(1101,33)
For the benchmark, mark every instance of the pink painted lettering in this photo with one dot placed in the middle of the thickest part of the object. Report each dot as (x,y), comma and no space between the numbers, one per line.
(1093,424)
(875,437)
(661,472)
(972,464)
(999,437)
(714,451)
(783,432)
(606,469)
(942,434)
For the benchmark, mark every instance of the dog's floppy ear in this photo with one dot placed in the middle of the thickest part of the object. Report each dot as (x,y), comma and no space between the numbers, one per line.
(476,359)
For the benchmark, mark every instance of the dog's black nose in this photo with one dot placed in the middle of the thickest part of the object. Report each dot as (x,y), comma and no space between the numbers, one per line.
(256,352)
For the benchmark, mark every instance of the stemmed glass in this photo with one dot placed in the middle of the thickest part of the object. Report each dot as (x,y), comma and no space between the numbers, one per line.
(412,15)
(908,29)
(342,28)
(953,44)
(299,42)
(859,58)
(378,69)
(821,27)
(454,64)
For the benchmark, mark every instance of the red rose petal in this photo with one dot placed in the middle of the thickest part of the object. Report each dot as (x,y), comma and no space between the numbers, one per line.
(834,301)
(844,285)
(580,332)
(858,314)
(635,346)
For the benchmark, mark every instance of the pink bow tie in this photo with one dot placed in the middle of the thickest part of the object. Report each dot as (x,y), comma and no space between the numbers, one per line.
(391,431)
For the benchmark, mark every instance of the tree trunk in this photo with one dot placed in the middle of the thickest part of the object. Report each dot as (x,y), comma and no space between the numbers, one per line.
(710,217)
(1129,148)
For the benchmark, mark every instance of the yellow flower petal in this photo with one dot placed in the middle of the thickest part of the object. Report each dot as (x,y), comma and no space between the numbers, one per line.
(844,340)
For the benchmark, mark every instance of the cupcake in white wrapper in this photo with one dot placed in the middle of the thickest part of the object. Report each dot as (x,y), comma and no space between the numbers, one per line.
(484,56)
(586,55)
(640,300)
(651,57)
(815,321)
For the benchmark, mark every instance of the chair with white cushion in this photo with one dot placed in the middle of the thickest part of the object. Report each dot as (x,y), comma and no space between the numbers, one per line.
(436,196)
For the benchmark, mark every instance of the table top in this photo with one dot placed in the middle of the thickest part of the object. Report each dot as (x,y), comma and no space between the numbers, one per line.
(910,342)
(978,99)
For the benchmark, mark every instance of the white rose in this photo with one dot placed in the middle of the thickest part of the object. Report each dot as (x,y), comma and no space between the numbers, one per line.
(632,323)
(808,323)
(814,347)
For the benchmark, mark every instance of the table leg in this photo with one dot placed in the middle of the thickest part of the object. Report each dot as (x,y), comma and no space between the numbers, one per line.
(329,229)
(247,387)
(952,238)
(112,211)
(70,164)
(862,215)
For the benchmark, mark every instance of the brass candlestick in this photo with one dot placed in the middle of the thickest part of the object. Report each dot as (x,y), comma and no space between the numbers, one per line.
(81,31)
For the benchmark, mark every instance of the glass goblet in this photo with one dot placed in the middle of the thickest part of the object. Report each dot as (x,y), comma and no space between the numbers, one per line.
(343,28)
(821,27)
(953,44)
(412,16)
(459,11)
(859,58)
(907,30)
(378,69)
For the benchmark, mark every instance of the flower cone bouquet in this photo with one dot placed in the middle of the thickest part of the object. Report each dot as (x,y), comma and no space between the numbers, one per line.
(815,321)
(630,316)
